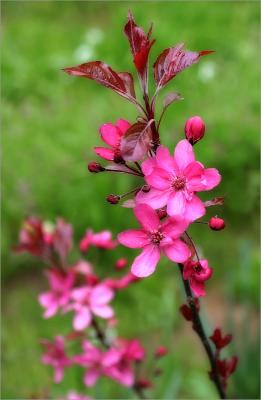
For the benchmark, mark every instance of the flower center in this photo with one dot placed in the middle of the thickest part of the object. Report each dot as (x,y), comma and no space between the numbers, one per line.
(198,268)
(179,183)
(156,237)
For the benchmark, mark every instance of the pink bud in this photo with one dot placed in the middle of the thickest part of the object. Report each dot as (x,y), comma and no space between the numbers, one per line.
(95,167)
(194,129)
(161,351)
(113,198)
(121,263)
(216,223)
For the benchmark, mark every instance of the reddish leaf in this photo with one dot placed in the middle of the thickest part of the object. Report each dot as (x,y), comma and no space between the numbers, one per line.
(122,82)
(172,61)
(217,201)
(139,42)
(170,98)
(136,142)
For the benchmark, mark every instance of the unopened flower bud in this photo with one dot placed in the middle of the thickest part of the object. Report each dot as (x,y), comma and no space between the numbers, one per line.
(216,223)
(161,351)
(144,383)
(121,263)
(95,167)
(113,198)
(194,129)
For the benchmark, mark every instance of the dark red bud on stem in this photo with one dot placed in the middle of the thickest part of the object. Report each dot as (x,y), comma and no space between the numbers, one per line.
(95,167)
(113,198)
(216,223)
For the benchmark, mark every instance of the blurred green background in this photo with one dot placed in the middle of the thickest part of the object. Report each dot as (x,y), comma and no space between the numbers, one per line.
(50,124)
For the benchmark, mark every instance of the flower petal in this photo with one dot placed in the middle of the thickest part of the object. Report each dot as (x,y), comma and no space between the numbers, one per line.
(145,264)
(165,160)
(134,239)
(159,179)
(154,198)
(91,376)
(101,294)
(123,126)
(174,228)
(103,152)
(82,319)
(211,178)
(110,134)
(183,154)
(198,288)
(102,311)
(147,217)
(194,209)
(177,204)
(148,165)
(178,251)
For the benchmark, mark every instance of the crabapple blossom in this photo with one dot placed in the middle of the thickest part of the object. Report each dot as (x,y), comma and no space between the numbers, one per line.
(111,135)
(61,283)
(154,237)
(72,395)
(194,129)
(174,180)
(56,357)
(88,300)
(197,272)
(32,237)
(102,240)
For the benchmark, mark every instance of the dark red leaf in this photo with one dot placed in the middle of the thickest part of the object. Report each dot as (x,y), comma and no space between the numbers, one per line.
(136,142)
(217,201)
(140,44)
(174,60)
(122,82)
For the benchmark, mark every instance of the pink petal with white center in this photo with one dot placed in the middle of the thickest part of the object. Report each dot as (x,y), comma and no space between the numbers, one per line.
(82,319)
(133,239)
(91,376)
(165,160)
(147,217)
(145,264)
(198,288)
(178,251)
(194,209)
(103,152)
(159,179)
(102,311)
(211,178)
(110,134)
(176,204)
(101,294)
(123,126)
(148,165)
(183,154)
(174,228)
(154,198)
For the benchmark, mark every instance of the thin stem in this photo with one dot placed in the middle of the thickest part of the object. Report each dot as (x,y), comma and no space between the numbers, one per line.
(192,244)
(124,172)
(199,329)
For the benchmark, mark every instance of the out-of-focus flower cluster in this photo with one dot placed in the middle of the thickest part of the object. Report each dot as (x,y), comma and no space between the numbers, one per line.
(76,288)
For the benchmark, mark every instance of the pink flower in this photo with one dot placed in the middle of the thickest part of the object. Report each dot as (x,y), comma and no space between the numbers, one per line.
(174,181)
(56,357)
(197,272)
(111,135)
(154,237)
(89,300)
(72,395)
(102,240)
(32,238)
(60,283)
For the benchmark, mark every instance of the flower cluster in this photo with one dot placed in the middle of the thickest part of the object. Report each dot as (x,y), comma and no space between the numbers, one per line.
(76,288)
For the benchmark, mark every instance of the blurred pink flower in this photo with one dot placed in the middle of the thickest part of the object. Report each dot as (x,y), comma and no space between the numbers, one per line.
(121,283)
(72,395)
(154,237)
(102,240)
(61,284)
(89,300)
(111,135)
(32,238)
(197,272)
(174,180)
(56,357)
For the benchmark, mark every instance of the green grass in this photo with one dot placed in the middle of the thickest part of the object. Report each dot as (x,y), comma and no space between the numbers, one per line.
(50,124)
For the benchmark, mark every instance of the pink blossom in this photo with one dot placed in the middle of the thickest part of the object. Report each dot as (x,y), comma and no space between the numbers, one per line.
(89,300)
(32,238)
(92,360)
(197,272)
(56,357)
(72,395)
(154,237)
(58,296)
(175,180)
(111,135)
(102,240)
(121,283)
